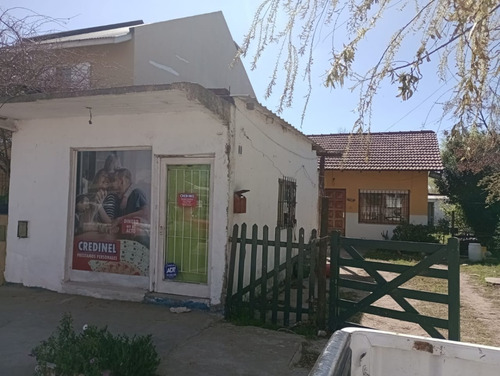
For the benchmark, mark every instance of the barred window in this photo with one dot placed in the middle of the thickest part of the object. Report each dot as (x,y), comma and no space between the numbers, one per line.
(384,207)
(286,202)
(69,76)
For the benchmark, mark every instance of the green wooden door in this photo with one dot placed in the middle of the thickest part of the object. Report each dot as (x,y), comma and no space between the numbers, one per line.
(186,242)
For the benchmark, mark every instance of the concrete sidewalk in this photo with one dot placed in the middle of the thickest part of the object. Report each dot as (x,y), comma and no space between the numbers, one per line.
(192,343)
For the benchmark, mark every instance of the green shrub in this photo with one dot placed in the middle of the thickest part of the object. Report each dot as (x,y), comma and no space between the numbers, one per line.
(494,247)
(414,233)
(93,352)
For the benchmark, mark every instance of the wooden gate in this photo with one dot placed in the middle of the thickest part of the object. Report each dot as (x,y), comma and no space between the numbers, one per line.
(276,281)
(347,253)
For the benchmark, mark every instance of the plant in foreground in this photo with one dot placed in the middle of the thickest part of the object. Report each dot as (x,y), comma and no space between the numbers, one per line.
(94,352)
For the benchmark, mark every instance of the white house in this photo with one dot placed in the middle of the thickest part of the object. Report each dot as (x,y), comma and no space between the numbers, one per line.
(187,151)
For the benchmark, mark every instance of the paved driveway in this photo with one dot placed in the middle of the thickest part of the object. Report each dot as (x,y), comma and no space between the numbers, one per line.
(191,343)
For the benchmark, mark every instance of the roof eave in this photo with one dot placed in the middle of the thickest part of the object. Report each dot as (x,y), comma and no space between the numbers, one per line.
(90,42)
(249,99)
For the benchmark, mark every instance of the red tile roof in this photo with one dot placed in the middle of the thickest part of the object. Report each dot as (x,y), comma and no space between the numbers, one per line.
(382,151)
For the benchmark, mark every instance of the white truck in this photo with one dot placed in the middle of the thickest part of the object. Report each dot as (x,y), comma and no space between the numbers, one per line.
(367,352)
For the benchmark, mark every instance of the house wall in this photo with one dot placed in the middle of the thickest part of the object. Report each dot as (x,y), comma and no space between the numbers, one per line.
(41,188)
(194,49)
(111,65)
(353,181)
(265,151)
(439,202)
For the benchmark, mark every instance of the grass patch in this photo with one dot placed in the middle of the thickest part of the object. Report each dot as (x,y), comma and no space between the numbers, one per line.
(479,271)
(397,257)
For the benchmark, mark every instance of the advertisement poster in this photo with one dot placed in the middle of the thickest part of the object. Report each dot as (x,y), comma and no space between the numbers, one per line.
(112,212)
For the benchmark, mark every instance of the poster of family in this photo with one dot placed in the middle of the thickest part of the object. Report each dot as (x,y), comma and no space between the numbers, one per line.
(112,212)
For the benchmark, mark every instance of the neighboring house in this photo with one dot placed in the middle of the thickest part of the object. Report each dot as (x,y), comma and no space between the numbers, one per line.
(118,191)
(196,49)
(377,181)
(436,203)
(435,208)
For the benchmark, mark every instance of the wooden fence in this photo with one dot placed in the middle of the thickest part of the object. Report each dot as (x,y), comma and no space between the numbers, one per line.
(275,280)
(260,279)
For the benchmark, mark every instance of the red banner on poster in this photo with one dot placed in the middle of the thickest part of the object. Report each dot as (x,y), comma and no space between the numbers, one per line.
(86,252)
(187,200)
(129,226)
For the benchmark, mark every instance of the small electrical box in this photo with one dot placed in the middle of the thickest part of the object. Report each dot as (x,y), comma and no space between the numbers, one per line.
(240,201)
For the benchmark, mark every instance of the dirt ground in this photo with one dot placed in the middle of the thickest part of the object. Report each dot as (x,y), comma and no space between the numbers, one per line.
(480,322)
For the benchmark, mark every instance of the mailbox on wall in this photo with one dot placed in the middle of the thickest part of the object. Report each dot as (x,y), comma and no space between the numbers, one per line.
(240,201)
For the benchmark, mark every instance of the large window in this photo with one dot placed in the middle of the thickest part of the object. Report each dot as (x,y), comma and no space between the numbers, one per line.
(383,207)
(67,76)
(112,221)
(287,202)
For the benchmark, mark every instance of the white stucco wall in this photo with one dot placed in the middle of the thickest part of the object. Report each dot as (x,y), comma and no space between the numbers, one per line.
(270,151)
(374,231)
(264,151)
(439,201)
(196,49)
(41,187)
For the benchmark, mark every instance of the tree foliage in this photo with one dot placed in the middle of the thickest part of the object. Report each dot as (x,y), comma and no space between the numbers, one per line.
(471,159)
(462,35)
(29,64)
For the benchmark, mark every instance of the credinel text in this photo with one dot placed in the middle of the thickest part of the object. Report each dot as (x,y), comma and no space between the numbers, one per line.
(100,247)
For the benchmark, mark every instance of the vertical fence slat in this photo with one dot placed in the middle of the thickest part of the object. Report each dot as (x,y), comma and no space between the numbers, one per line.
(454,289)
(230,280)
(300,275)
(312,274)
(253,269)
(333,310)
(277,248)
(263,282)
(321,265)
(241,266)
(288,277)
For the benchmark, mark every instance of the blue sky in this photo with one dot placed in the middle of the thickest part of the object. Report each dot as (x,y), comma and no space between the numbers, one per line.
(329,110)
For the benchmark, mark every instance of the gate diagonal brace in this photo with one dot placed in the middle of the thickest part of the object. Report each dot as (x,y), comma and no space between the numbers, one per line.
(381,281)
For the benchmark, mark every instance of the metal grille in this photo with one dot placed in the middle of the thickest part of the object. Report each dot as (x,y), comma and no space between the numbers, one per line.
(4,193)
(4,184)
(383,207)
(187,227)
(287,202)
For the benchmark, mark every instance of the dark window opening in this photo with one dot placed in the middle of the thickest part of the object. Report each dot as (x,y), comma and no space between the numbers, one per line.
(384,207)
(287,202)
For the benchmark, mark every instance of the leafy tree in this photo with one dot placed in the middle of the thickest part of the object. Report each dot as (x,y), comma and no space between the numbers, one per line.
(459,222)
(462,36)
(468,160)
